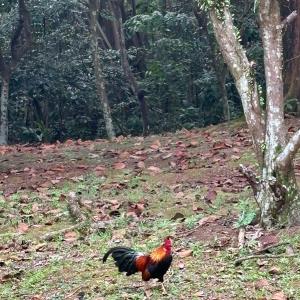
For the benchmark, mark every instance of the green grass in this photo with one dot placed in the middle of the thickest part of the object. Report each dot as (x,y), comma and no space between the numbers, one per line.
(58,269)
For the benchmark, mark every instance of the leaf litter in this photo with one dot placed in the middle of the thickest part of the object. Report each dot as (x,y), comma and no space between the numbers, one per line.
(195,170)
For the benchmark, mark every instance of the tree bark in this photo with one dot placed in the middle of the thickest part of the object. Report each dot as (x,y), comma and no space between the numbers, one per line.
(217,63)
(120,41)
(4,107)
(273,196)
(292,68)
(94,6)
(243,74)
(21,41)
(275,190)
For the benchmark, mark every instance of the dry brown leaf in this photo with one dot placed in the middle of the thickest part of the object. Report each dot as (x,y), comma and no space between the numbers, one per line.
(70,236)
(194,143)
(141,165)
(22,228)
(275,270)
(154,169)
(200,294)
(262,283)
(185,253)
(279,296)
(211,196)
(209,219)
(119,166)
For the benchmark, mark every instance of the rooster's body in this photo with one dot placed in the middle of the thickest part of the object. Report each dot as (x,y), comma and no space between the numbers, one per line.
(153,265)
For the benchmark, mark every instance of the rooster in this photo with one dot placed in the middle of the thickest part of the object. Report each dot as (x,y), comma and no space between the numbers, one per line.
(153,265)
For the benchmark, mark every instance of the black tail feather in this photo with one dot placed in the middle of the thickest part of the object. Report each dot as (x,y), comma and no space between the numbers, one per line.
(124,259)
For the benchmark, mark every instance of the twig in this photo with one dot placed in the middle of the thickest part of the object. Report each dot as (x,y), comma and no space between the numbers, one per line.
(75,291)
(241,238)
(289,19)
(270,247)
(264,256)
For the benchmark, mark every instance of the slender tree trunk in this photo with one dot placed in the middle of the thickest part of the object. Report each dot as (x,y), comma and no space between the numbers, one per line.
(292,70)
(218,65)
(20,43)
(225,101)
(3,108)
(120,37)
(100,80)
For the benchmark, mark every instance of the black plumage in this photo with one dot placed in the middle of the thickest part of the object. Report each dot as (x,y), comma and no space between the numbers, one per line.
(124,259)
(158,270)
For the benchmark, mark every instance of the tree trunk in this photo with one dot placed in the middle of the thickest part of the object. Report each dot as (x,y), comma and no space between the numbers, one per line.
(217,63)
(292,68)
(20,43)
(4,115)
(271,201)
(225,101)
(120,41)
(235,57)
(275,190)
(100,80)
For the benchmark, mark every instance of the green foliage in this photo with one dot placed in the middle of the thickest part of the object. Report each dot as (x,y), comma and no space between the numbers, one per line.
(247,213)
(52,92)
(217,5)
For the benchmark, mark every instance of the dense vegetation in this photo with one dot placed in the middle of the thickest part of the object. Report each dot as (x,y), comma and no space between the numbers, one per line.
(171,51)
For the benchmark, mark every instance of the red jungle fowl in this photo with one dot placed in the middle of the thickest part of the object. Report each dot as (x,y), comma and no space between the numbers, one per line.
(153,265)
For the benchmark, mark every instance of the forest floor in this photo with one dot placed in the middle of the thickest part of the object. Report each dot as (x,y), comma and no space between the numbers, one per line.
(63,205)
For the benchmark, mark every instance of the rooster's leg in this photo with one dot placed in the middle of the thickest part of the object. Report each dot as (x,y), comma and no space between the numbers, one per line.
(163,289)
(147,289)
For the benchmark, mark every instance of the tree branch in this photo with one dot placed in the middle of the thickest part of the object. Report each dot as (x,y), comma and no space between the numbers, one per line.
(104,35)
(290,150)
(289,19)
(251,177)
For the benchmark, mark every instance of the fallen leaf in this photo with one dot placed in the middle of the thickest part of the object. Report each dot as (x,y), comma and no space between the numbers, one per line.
(289,250)
(209,219)
(22,228)
(141,165)
(37,297)
(55,181)
(124,155)
(154,169)
(70,236)
(193,144)
(200,294)
(7,277)
(82,167)
(119,166)
(262,283)
(279,296)
(211,196)
(220,145)
(275,271)
(185,253)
